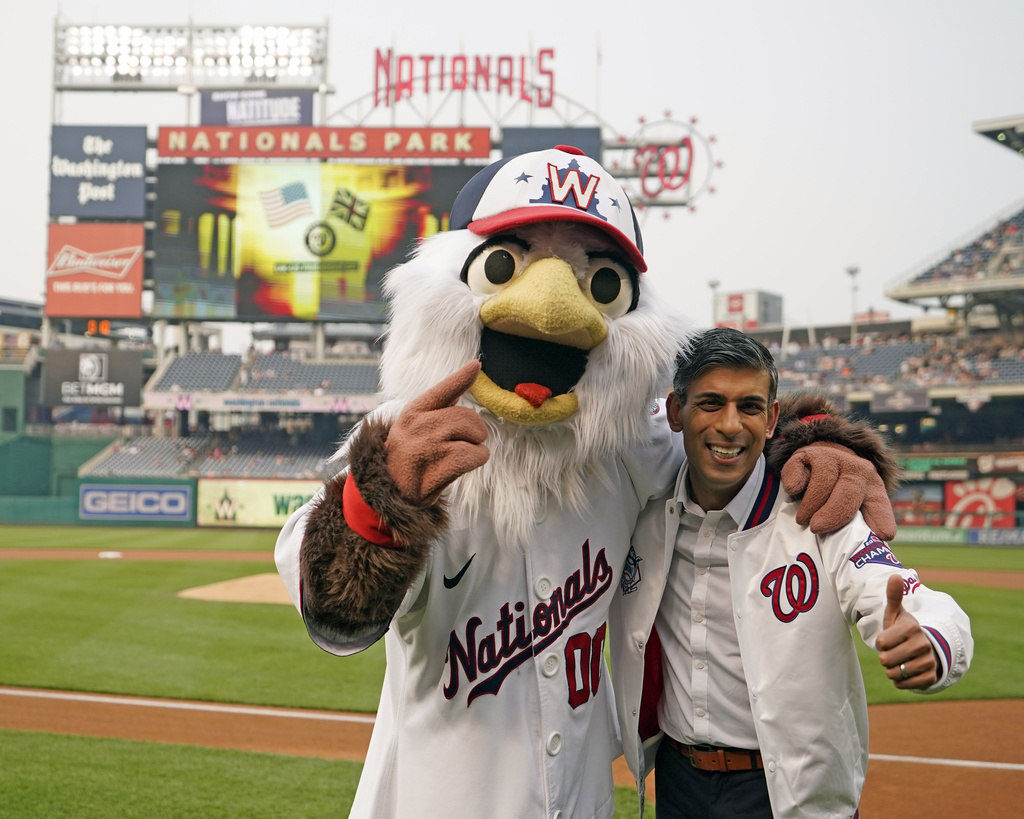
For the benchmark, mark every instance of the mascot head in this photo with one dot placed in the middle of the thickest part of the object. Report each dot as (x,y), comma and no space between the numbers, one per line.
(540,277)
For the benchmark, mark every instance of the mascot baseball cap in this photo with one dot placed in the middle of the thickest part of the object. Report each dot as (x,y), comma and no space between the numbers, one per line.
(560,184)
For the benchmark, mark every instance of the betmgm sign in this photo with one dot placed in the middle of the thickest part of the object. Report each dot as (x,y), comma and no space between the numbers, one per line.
(98,378)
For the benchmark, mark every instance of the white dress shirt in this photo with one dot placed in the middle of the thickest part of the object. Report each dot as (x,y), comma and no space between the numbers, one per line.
(705,700)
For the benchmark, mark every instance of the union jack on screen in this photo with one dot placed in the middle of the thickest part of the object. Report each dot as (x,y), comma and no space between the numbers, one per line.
(286,204)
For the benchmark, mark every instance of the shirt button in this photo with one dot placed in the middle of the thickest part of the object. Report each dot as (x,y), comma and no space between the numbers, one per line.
(699,618)
(700,664)
(701,712)
(702,570)
(550,666)
(707,534)
(557,815)
(771,767)
(554,744)
(543,588)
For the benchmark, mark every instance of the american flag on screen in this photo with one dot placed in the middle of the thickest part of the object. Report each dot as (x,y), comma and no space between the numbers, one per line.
(286,204)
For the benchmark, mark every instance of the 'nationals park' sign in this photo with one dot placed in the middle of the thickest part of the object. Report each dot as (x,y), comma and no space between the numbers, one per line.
(324,143)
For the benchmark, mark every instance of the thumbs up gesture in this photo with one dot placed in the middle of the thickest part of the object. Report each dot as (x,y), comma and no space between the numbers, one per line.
(904,650)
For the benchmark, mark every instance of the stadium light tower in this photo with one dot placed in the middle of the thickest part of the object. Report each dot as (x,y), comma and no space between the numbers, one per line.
(853,270)
(713,284)
(171,57)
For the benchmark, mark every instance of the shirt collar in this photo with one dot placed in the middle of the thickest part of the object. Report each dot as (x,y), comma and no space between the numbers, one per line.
(739,507)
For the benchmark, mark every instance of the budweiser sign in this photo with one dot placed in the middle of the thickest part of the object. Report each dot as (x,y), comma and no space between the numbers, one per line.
(113,264)
(95,270)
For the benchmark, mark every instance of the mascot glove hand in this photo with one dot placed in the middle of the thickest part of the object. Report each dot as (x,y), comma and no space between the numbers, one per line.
(835,483)
(433,442)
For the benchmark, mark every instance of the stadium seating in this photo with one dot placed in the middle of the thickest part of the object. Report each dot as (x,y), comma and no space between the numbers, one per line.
(255,457)
(214,372)
(277,372)
(148,457)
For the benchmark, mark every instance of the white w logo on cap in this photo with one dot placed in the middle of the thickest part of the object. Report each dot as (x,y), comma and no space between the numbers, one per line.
(560,188)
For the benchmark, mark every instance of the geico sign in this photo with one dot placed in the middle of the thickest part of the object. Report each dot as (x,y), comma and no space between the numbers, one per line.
(110,501)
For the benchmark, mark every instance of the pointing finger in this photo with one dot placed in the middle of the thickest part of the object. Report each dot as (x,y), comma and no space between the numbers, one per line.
(445,393)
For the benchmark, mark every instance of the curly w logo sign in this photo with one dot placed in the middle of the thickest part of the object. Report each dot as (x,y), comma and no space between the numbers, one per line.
(793,589)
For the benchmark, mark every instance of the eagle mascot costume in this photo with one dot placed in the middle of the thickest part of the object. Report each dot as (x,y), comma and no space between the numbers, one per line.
(483,515)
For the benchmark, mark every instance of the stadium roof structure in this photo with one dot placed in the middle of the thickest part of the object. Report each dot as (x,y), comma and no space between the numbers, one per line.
(1006,131)
(985,270)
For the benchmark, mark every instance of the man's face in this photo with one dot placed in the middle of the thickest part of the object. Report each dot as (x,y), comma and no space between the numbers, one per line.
(725,421)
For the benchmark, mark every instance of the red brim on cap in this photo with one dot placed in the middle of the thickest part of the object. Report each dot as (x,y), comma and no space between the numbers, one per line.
(556,213)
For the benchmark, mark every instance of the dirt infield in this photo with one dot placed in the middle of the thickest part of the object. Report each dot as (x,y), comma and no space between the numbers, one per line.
(935,759)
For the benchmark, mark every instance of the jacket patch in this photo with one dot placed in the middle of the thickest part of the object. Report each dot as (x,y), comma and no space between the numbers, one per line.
(793,589)
(631,572)
(874,550)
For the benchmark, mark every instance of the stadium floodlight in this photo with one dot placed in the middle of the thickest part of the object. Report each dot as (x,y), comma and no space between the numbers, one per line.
(165,58)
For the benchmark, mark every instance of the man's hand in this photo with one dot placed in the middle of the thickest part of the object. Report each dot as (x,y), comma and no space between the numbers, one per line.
(904,650)
(835,483)
(433,442)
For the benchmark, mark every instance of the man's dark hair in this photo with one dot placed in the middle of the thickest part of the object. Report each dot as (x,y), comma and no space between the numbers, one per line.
(723,347)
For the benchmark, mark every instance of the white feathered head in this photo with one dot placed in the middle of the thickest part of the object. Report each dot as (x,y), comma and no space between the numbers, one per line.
(540,277)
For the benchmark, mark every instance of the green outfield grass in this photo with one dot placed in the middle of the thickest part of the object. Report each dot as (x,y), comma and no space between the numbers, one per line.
(118,627)
(122,539)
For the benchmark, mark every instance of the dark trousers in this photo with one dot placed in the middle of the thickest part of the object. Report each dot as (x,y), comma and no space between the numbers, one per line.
(684,792)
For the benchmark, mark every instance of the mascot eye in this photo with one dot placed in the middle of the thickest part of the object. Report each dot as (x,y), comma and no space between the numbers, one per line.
(493,267)
(611,287)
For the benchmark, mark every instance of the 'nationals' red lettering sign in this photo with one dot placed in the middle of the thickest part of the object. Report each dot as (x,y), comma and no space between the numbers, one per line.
(325,143)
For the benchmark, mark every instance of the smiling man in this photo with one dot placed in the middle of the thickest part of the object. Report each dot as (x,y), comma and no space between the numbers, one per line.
(755,683)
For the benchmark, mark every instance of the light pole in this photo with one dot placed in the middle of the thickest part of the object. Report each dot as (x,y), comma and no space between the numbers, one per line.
(713,284)
(853,270)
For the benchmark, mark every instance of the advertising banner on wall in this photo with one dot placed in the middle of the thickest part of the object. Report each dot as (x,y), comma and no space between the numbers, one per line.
(250,503)
(290,241)
(985,503)
(139,503)
(919,504)
(98,171)
(95,270)
(255,106)
(99,378)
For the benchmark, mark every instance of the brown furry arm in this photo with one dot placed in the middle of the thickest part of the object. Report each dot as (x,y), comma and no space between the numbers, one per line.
(834,465)
(863,440)
(351,587)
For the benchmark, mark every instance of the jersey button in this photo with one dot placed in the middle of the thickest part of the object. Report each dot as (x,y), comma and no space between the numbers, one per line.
(554,744)
(550,666)
(543,588)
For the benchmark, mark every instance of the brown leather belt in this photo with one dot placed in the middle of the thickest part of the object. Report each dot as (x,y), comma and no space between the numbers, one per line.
(707,758)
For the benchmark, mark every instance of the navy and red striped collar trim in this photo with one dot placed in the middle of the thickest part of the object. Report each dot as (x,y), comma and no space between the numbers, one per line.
(765,500)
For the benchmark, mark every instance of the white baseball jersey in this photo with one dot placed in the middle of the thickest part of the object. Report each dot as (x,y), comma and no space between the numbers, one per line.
(496,699)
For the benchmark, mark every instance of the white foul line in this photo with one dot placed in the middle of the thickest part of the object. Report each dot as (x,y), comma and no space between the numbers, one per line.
(190,706)
(956,763)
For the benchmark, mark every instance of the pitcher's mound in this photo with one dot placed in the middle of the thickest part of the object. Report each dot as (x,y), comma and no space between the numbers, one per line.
(257,588)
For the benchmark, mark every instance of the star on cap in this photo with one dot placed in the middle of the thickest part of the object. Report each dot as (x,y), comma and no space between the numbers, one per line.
(523,177)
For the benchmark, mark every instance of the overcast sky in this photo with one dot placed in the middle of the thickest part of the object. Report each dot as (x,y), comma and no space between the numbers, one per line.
(844,130)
